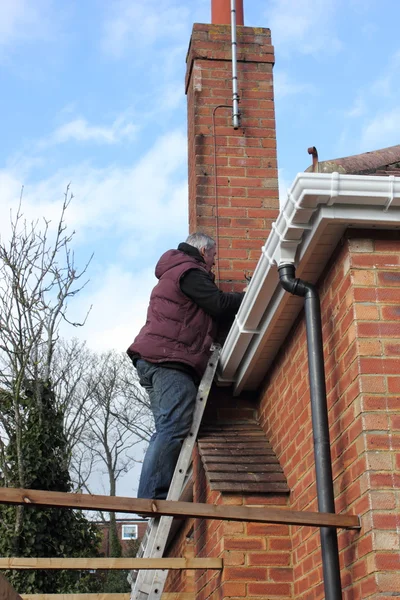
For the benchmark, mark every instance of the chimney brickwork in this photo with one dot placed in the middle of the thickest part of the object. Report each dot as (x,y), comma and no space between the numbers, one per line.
(233,182)
(233,196)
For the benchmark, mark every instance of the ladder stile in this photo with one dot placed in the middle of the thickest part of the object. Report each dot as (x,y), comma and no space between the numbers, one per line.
(149,585)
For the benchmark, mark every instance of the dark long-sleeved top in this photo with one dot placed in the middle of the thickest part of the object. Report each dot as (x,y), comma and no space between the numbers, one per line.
(199,287)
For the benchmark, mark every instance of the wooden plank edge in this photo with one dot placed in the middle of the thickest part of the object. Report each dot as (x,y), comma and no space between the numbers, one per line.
(154,508)
(108,596)
(105,596)
(111,563)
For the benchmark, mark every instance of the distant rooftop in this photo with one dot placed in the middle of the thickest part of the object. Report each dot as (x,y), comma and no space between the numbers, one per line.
(378,162)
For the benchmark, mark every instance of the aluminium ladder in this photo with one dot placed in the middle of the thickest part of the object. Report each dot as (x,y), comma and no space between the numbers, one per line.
(149,585)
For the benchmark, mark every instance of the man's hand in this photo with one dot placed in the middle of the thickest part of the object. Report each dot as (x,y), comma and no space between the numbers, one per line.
(247,277)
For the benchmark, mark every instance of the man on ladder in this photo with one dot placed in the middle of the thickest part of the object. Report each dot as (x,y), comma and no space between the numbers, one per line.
(171,351)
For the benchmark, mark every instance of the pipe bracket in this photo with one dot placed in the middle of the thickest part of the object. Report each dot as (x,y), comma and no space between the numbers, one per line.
(335,179)
(390,199)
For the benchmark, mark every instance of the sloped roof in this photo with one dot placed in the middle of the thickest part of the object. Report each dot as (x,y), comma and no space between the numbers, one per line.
(238,458)
(385,161)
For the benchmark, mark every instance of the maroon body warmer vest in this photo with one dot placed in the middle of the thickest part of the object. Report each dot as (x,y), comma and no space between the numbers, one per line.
(176,329)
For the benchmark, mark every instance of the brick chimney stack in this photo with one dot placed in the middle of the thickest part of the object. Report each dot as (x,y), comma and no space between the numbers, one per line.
(233,183)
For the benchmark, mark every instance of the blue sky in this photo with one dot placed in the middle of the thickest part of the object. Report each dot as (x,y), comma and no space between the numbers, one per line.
(92,93)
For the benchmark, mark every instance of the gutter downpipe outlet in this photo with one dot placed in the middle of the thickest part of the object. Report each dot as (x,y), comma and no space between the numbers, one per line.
(320,423)
(235,109)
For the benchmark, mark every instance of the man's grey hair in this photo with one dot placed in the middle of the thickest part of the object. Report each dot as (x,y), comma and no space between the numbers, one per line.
(200,240)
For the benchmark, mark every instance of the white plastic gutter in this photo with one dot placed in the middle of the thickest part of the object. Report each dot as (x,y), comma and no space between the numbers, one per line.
(319,208)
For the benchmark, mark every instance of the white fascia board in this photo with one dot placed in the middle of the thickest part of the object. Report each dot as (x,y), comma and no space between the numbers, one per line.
(319,208)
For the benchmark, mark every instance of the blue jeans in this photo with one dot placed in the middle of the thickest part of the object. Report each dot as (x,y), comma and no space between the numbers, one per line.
(172,396)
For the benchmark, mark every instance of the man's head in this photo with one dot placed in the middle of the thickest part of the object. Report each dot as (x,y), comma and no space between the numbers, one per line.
(205,245)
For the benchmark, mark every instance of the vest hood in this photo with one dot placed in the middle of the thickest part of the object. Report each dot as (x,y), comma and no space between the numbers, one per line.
(174,258)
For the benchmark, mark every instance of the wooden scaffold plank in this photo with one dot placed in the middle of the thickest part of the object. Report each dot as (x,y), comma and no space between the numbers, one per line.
(111,563)
(108,596)
(154,508)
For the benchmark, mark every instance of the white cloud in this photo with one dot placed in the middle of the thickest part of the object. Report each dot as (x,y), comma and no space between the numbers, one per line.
(138,24)
(386,85)
(119,303)
(139,201)
(132,208)
(383,130)
(118,199)
(377,102)
(303,26)
(34,206)
(22,20)
(131,24)
(359,107)
(80,130)
(284,86)
(383,89)
(173,97)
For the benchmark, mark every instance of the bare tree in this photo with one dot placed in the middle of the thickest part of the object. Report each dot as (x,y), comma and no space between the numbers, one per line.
(104,410)
(117,419)
(74,389)
(38,277)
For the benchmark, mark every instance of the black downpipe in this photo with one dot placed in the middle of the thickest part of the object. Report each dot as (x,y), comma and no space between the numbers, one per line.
(319,411)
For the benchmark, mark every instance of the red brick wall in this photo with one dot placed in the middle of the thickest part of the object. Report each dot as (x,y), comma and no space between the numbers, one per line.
(182,546)
(257,557)
(236,203)
(360,297)
(105,530)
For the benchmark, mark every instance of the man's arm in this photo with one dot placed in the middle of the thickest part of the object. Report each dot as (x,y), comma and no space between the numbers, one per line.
(198,286)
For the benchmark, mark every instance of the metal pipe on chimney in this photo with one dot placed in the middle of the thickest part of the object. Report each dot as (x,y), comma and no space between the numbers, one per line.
(235,92)
(314,153)
(224,12)
(221,12)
